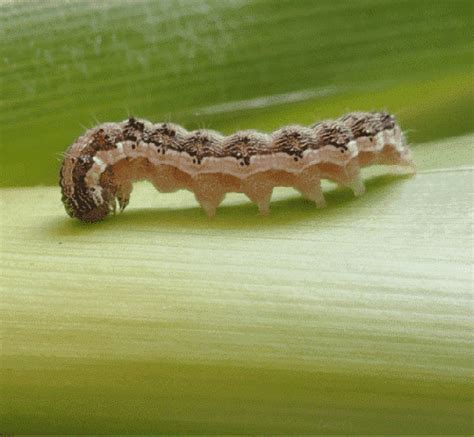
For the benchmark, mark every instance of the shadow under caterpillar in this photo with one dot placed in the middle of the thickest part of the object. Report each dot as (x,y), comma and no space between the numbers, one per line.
(100,166)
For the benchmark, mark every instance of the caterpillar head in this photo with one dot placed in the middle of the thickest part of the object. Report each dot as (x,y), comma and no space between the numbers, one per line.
(82,201)
(88,193)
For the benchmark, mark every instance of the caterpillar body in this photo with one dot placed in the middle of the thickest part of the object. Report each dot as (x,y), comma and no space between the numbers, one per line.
(100,166)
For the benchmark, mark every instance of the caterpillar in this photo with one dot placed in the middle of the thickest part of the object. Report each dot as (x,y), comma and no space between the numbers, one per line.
(99,168)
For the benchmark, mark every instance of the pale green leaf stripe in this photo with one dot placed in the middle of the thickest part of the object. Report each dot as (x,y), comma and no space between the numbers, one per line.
(352,319)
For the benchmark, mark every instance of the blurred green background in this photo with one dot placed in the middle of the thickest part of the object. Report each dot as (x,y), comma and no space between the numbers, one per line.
(227,65)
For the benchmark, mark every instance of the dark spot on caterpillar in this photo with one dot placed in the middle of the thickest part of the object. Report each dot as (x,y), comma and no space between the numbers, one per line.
(135,124)
(101,141)
(133,130)
(130,136)
(387,120)
(167,130)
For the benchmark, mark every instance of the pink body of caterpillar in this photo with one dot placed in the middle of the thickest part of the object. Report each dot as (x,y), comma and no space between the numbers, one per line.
(101,165)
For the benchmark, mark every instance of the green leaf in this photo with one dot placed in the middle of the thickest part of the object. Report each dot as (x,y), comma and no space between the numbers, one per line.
(351,319)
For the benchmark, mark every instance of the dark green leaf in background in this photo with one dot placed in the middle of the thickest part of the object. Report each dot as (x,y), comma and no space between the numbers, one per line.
(68,65)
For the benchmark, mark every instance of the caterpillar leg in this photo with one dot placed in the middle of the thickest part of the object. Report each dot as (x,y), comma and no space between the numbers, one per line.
(351,178)
(308,183)
(357,186)
(123,194)
(261,196)
(259,188)
(314,194)
(264,203)
(209,192)
(209,205)
(311,190)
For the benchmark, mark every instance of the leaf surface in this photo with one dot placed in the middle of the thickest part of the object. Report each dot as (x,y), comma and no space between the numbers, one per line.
(351,319)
